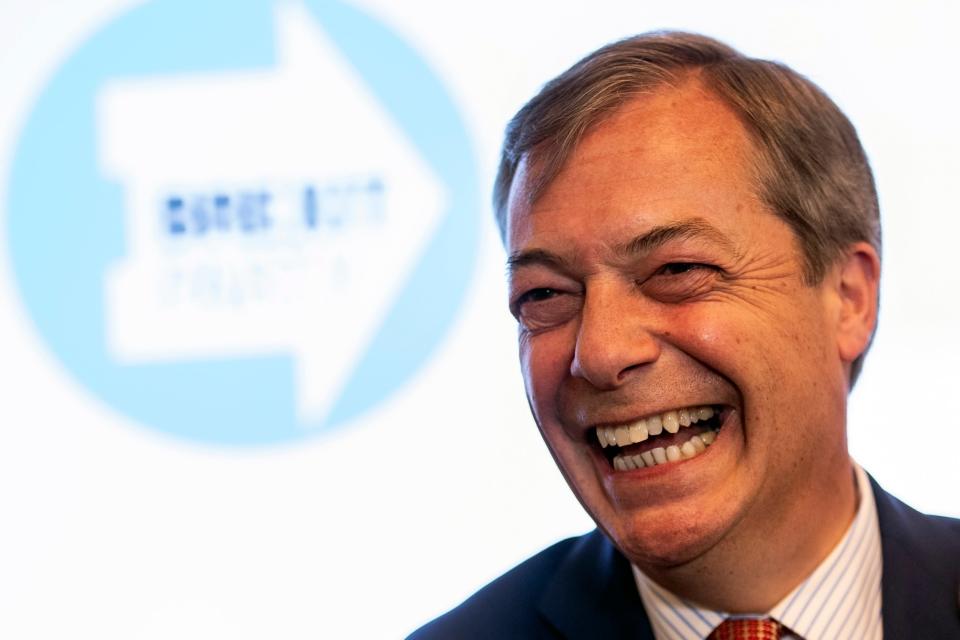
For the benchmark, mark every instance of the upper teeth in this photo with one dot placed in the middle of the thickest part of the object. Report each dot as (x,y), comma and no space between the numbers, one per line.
(671,421)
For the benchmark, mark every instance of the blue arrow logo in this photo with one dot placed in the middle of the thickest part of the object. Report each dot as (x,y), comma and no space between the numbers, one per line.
(243,223)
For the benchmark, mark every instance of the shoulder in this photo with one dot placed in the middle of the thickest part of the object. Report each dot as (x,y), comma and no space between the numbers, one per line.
(507,607)
(928,544)
(921,570)
(902,524)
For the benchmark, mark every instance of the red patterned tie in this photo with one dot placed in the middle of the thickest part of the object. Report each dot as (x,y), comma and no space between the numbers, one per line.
(746,629)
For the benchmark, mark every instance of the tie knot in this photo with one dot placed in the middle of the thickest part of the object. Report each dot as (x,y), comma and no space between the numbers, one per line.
(746,629)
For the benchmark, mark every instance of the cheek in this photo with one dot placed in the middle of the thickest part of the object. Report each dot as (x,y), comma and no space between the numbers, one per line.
(732,337)
(712,336)
(715,337)
(780,358)
(734,345)
(544,362)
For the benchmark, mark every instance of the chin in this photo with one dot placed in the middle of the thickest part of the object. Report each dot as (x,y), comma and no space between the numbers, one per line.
(668,539)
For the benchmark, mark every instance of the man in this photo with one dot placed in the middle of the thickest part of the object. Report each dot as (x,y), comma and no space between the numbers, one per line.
(694,261)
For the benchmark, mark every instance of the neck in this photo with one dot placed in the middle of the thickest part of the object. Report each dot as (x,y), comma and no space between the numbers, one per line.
(770,552)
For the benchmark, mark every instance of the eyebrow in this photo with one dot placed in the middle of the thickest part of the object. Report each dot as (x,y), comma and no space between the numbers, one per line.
(641,244)
(684,229)
(532,257)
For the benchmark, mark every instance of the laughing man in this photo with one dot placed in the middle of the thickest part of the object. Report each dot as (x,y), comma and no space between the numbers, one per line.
(694,260)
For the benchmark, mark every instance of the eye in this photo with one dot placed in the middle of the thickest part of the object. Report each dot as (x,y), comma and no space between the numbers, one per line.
(531,297)
(536,295)
(544,307)
(677,268)
(676,282)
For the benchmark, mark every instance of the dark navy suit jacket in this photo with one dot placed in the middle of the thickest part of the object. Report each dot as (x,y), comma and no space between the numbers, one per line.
(582,588)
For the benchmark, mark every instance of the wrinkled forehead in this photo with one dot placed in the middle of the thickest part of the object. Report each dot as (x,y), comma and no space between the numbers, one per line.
(673,139)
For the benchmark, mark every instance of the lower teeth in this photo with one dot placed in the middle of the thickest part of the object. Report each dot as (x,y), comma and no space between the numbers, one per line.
(660,455)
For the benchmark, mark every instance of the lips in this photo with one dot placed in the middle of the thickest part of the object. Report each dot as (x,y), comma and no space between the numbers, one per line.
(668,437)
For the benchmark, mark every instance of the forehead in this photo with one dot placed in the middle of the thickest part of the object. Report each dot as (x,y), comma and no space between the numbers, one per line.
(678,152)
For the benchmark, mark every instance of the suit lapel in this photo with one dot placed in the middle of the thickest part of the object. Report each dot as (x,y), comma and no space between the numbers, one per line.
(593,595)
(920,571)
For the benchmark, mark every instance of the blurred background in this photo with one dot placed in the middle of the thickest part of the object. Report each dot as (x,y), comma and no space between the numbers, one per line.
(259,378)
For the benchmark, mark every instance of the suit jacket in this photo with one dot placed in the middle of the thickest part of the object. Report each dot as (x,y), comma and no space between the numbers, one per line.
(583,588)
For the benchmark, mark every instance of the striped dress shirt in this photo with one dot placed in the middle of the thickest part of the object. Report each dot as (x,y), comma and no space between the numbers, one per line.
(840,599)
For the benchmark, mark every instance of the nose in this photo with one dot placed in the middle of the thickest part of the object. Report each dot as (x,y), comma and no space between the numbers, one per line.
(614,338)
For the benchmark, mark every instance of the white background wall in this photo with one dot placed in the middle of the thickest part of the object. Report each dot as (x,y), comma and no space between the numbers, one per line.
(112,530)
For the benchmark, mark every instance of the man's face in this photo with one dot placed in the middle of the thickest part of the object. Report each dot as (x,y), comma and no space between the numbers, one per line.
(649,280)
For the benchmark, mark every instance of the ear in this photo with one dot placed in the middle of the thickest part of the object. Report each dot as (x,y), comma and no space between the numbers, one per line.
(858,288)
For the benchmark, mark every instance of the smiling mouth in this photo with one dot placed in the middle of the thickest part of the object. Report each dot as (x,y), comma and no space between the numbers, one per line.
(665,438)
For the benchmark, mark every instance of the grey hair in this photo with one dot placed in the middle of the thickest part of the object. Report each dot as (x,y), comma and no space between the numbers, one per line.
(810,169)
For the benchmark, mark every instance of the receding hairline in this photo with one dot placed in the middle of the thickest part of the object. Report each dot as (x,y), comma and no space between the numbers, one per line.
(535,176)
(594,87)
